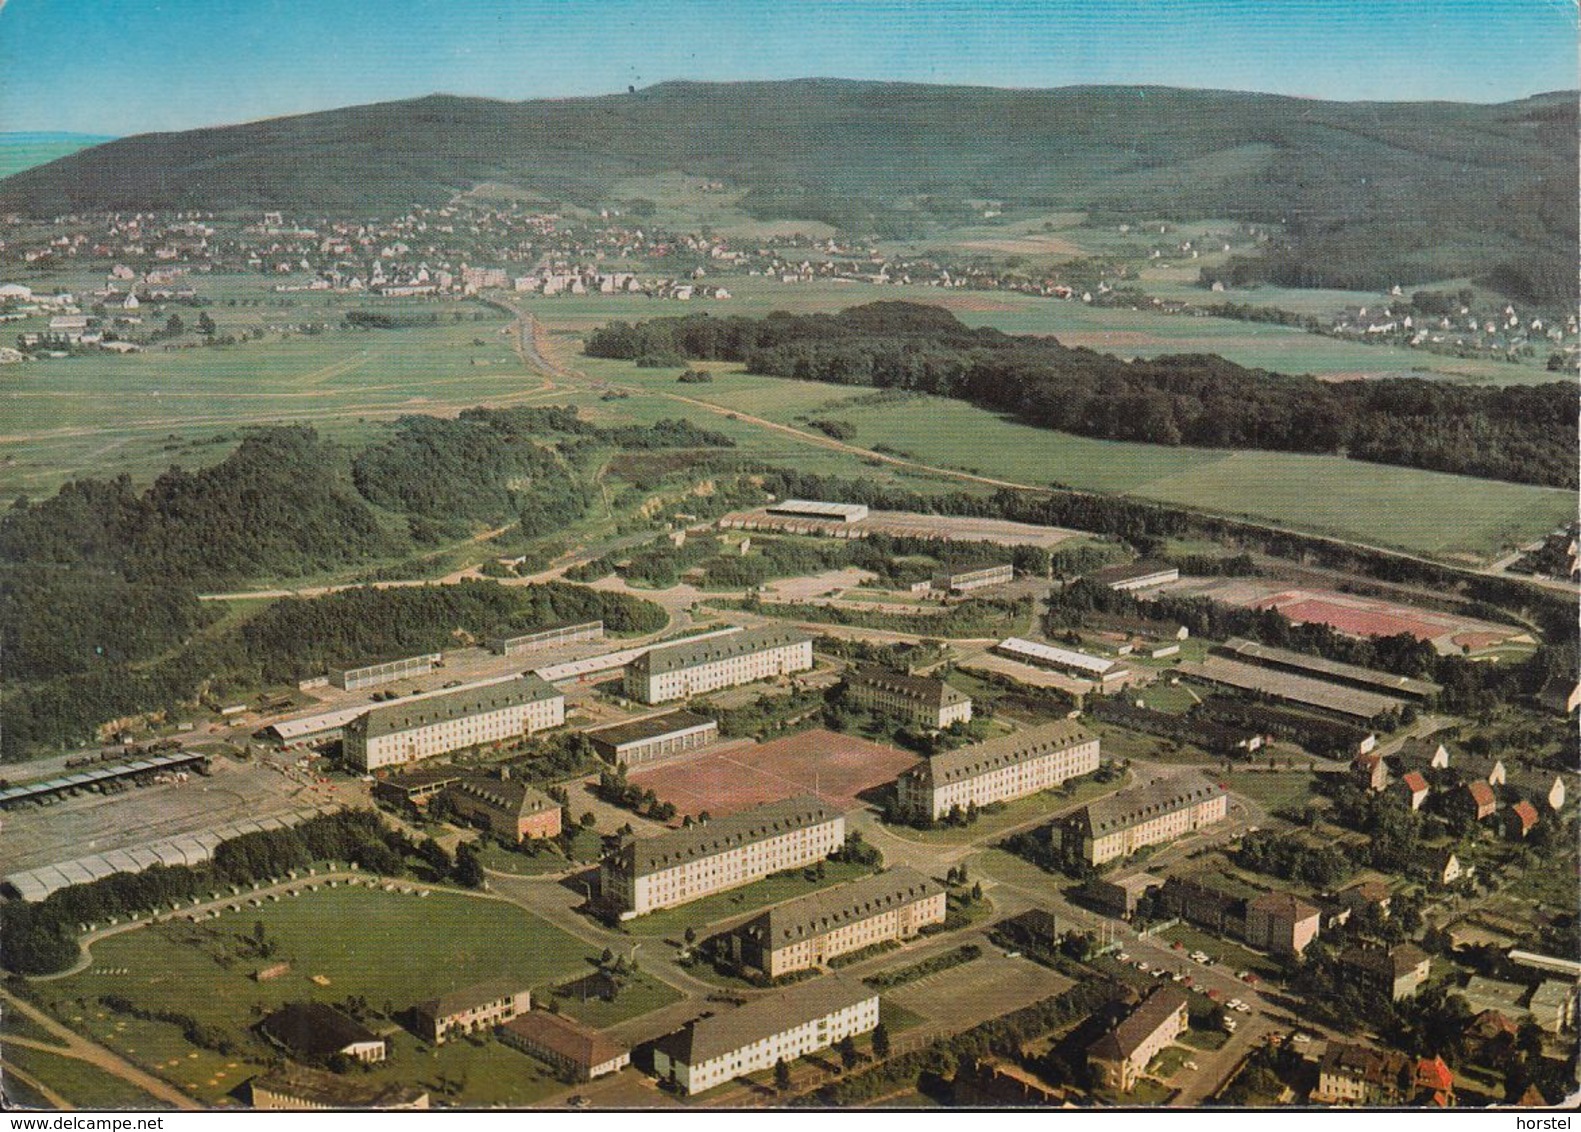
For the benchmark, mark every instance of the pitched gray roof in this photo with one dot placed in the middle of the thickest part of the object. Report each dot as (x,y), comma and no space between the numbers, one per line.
(689,654)
(507,794)
(470,998)
(708,1038)
(1126,1038)
(619,734)
(1007,750)
(1355,673)
(927,690)
(394,718)
(647,855)
(1147,801)
(820,912)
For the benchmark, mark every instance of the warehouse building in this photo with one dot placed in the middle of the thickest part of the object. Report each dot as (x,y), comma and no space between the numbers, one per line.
(1135,576)
(655,737)
(690,668)
(998,770)
(314,1032)
(687,864)
(1353,675)
(573,1048)
(806,1018)
(565,634)
(814,509)
(969,578)
(923,701)
(1354,703)
(293,1088)
(1156,811)
(421,729)
(471,1009)
(383,672)
(1101,671)
(812,930)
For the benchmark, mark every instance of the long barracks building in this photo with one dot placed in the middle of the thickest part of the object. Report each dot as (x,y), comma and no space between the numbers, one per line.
(422,729)
(999,770)
(810,931)
(924,701)
(1160,810)
(690,668)
(687,864)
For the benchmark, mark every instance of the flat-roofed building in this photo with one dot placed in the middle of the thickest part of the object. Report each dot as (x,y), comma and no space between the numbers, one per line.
(810,931)
(1553,1006)
(654,737)
(690,668)
(1156,811)
(965,579)
(570,1046)
(509,644)
(470,1009)
(416,788)
(817,509)
(998,770)
(355,679)
(1281,922)
(1103,672)
(1353,675)
(468,717)
(807,1017)
(508,808)
(687,864)
(294,1088)
(1132,576)
(923,701)
(1355,703)
(1120,1056)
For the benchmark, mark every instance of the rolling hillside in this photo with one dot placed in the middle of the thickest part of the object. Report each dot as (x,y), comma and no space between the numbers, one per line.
(1371,193)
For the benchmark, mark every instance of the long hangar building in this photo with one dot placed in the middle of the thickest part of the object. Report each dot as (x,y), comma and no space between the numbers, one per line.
(690,668)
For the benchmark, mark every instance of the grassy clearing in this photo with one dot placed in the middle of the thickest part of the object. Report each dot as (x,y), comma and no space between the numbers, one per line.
(84,1085)
(1168,1062)
(642,994)
(896,1018)
(390,948)
(1272,790)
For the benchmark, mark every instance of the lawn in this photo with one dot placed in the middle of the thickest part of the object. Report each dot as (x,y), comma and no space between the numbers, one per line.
(1207,1040)
(1273,790)
(84,1085)
(738,902)
(640,995)
(392,949)
(1168,1062)
(896,1018)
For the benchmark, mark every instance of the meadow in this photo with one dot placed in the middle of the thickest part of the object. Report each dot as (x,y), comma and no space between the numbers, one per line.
(391,949)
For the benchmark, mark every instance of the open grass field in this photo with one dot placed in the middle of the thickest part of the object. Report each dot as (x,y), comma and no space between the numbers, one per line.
(84,1085)
(641,995)
(392,949)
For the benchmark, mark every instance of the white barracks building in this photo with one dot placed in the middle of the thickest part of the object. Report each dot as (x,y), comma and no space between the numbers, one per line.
(690,668)
(999,770)
(436,725)
(1160,810)
(687,864)
(809,1016)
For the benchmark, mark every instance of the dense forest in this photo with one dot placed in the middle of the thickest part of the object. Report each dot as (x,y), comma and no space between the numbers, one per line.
(64,698)
(1527,434)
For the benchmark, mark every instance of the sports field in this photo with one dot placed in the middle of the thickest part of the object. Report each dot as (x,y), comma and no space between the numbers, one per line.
(838,768)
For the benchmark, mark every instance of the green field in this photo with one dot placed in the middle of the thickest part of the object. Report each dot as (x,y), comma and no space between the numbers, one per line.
(84,1085)
(392,949)
(641,995)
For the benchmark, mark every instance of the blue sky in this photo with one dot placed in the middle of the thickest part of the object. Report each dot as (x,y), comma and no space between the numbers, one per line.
(129,66)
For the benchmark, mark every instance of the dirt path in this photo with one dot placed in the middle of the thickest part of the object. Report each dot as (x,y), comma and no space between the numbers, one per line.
(54,1099)
(74,1046)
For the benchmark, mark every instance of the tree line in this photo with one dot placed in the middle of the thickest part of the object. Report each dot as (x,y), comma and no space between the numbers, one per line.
(1526,434)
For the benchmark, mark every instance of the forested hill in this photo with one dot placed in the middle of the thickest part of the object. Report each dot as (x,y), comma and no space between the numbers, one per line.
(1372,193)
(1524,434)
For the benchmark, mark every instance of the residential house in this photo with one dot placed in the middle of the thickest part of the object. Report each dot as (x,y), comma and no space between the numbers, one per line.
(1281,923)
(1435,1083)
(1355,1075)
(1120,1056)
(1413,787)
(1441,865)
(1388,972)
(1483,800)
(1368,771)
(1520,819)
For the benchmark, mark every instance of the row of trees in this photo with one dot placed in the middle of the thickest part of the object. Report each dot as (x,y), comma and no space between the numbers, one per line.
(1522,433)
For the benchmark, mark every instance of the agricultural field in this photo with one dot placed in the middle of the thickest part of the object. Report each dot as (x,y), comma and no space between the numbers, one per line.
(390,949)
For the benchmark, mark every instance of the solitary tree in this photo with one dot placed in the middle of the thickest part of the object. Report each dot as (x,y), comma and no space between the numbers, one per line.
(881,1040)
(782,1075)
